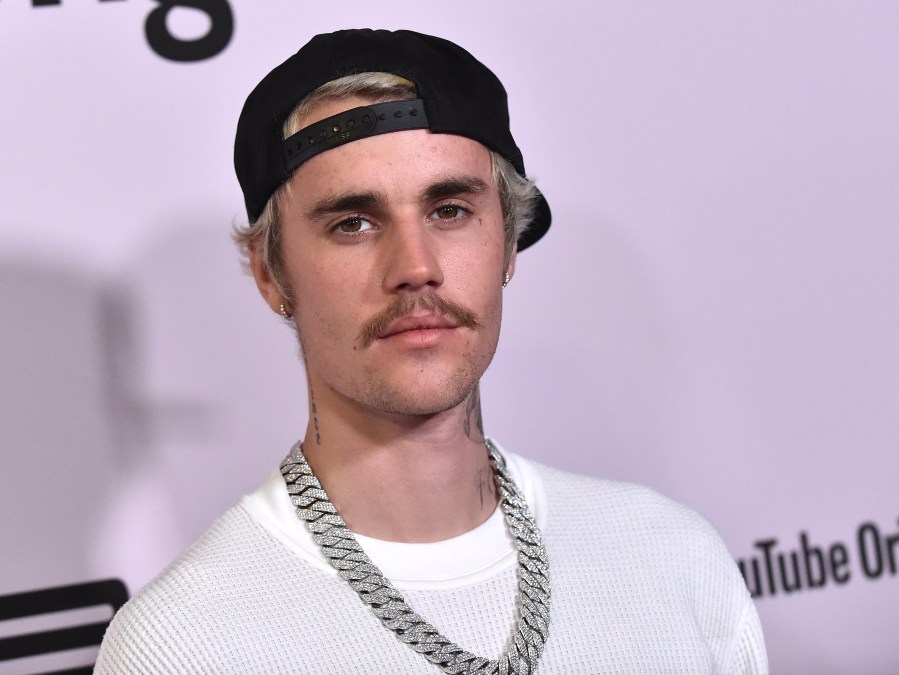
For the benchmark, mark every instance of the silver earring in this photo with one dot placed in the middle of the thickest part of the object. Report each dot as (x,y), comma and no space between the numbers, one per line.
(284,311)
(506,279)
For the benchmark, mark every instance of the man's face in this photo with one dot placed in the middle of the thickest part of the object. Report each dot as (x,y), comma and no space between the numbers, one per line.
(393,249)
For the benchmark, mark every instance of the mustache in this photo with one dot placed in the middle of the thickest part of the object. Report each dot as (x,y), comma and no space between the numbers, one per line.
(403,305)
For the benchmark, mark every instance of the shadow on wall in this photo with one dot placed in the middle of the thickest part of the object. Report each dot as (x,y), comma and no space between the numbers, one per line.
(106,415)
(72,427)
(77,426)
(135,409)
(211,388)
(64,418)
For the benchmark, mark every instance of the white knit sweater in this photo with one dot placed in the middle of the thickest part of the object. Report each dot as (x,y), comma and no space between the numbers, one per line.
(639,585)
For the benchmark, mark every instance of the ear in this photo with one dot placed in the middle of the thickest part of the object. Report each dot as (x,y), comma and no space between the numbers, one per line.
(510,268)
(264,281)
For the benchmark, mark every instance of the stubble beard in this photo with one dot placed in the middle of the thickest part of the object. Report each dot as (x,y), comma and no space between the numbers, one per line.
(381,393)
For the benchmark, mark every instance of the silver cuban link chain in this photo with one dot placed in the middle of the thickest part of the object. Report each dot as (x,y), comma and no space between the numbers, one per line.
(353,565)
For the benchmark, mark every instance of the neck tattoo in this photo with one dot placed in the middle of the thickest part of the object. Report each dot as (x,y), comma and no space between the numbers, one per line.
(345,554)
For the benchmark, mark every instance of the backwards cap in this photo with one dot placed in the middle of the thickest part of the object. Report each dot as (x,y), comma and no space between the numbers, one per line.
(457,95)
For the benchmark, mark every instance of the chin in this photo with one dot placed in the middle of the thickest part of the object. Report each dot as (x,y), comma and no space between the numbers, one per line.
(422,395)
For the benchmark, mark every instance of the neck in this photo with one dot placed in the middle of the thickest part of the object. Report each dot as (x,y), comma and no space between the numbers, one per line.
(409,478)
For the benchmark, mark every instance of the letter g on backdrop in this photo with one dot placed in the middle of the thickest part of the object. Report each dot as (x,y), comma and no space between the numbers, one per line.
(173,48)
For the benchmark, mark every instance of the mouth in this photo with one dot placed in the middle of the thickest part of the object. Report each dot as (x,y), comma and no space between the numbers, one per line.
(419,323)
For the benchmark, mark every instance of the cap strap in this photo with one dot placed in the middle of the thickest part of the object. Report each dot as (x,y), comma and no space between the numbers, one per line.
(351,125)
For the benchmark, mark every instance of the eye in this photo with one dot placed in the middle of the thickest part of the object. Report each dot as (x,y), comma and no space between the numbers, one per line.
(353,225)
(448,212)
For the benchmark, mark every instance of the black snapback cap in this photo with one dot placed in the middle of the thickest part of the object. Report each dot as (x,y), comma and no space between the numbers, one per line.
(458,95)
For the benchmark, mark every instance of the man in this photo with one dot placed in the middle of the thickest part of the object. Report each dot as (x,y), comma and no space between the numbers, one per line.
(387,202)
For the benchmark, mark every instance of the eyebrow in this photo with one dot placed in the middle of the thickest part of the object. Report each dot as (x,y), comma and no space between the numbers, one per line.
(349,201)
(454,185)
(364,201)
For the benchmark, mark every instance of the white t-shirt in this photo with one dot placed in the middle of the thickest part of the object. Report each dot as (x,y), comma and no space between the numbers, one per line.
(639,585)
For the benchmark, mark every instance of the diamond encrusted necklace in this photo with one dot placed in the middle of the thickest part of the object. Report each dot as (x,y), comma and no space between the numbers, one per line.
(353,565)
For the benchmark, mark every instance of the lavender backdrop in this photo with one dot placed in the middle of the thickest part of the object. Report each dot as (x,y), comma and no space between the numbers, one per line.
(715,312)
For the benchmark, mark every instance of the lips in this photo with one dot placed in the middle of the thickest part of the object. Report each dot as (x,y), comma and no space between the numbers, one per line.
(417,320)
(422,322)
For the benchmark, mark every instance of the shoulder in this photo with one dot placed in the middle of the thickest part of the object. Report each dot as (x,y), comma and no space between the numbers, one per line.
(621,513)
(634,531)
(164,627)
(623,545)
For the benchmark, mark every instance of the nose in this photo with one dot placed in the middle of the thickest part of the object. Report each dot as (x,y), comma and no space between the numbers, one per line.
(412,261)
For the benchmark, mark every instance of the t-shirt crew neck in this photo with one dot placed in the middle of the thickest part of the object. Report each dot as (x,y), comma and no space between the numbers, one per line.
(466,559)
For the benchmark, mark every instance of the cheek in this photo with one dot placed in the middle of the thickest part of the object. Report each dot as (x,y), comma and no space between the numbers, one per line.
(319,279)
(320,302)
(481,261)
(480,288)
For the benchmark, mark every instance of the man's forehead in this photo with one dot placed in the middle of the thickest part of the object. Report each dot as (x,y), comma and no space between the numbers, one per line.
(408,165)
